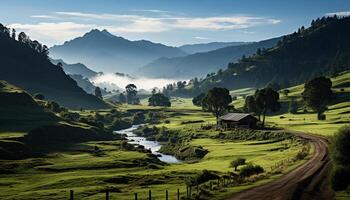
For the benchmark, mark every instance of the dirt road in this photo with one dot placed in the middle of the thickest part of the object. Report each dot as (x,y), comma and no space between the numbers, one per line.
(308,181)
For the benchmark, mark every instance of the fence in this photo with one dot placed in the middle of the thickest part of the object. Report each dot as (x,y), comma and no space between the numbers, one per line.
(71,195)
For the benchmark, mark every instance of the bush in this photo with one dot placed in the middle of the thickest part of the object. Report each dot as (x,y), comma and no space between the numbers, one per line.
(251,169)
(340,146)
(340,178)
(321,117)
(138,118)
(119,124)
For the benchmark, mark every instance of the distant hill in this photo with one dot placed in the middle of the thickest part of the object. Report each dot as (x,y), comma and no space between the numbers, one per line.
(77,68)
(322,49)
(108,53)
(205,47)
(200,64)
(23,66)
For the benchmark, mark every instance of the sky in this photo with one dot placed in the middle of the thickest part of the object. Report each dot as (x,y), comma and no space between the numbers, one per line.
(171,22)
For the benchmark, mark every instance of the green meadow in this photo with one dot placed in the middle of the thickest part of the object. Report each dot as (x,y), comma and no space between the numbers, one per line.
(90,173)
(337,114)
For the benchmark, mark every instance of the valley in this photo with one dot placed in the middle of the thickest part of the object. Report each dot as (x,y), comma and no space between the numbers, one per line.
(188,101)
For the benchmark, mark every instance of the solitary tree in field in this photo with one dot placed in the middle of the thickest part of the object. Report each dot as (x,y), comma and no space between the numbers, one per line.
(131,94)
(237,162)
(98,92)
(266,100)
(216,101)
(159,99)
(317,93)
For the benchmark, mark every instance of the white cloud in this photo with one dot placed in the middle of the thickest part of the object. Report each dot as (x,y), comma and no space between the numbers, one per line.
(101,16)
(74,24)
(44,16)
(53,33)
(151,10)
(340,13)
(201,38)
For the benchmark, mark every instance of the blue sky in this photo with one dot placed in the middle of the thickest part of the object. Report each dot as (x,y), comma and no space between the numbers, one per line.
(166,21)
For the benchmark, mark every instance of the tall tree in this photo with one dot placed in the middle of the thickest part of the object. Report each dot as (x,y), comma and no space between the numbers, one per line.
(317,93)
(98,92)
(266,100)
(217,101)
(131,94)
(159,99)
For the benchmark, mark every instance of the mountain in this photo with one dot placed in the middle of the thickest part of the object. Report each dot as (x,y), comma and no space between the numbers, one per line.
(77,68)
(200,64)
(23,66)
(205,47)
(322,49)
(106,52)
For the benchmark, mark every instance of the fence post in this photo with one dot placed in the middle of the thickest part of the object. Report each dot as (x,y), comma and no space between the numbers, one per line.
(190,191)
(135,196)
(166,194)
(107,195)
(186,190)
(178,194)
(71,195)
(149,195)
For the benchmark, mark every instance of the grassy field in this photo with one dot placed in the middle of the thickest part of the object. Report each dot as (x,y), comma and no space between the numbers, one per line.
(337,115)
(89,173)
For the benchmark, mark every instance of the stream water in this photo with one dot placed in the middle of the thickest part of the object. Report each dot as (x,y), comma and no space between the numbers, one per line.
(154,146)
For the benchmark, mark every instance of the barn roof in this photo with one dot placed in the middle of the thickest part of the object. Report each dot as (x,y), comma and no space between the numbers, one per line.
(235,116)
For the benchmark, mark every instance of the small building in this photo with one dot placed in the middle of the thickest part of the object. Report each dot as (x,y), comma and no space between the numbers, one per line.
(231,120)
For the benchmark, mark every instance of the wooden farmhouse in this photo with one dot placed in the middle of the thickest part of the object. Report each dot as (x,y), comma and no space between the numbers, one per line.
(231,120)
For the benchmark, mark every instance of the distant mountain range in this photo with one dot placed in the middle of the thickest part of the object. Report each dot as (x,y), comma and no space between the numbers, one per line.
(200,64)
(321,49)
(23,66)
(105,52)
(205,47)
(77,68)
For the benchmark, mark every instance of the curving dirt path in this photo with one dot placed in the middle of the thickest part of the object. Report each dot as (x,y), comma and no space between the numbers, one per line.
(308,181)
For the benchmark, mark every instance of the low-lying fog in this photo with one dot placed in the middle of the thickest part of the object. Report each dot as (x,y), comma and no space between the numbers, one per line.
(117,82)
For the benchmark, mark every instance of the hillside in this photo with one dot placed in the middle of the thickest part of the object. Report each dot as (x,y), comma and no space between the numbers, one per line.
(337,114)
(200,64)
(105,52)
(77,68)
(324,48)
(205,47)
(19,108)
(24,67)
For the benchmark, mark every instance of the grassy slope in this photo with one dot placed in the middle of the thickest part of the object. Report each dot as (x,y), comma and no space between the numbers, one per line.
(338,113)
(78,168)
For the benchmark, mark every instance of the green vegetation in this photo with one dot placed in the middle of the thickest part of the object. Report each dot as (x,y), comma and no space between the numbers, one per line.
(159,99)
(341,159)
(24,62)
(92,167)
(305,119)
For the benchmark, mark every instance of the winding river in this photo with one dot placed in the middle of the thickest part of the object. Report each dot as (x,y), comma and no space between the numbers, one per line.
(154,146)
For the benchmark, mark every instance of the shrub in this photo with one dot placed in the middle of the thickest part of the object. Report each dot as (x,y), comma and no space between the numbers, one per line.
(138,118)
(340,178)
(251,169)
(321,117)
(340,146)
(119,124)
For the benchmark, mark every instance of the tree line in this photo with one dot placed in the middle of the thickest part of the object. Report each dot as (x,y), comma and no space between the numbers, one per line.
(25,40)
